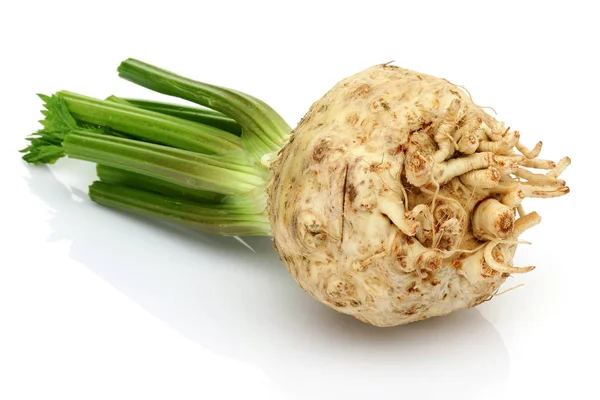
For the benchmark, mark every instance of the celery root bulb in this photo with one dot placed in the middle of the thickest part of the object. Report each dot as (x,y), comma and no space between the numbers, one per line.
(397,198)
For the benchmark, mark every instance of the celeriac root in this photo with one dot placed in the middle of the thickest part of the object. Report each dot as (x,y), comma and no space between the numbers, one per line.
(423,187)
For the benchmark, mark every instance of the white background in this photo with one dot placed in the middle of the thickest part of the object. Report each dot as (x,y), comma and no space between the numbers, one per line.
(95,304)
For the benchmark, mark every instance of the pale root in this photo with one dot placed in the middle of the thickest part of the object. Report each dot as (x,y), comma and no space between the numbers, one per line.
(396,198)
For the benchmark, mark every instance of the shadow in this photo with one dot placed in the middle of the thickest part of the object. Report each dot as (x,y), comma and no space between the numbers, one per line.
(244,305)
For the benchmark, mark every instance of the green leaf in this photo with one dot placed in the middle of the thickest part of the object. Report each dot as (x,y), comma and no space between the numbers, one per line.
(58,118)
(38,153)
(45,144)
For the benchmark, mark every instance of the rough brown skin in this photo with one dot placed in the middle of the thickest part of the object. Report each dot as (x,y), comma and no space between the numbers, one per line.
(395,198)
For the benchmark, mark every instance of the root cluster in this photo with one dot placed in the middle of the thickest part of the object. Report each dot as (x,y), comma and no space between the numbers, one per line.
(493,169)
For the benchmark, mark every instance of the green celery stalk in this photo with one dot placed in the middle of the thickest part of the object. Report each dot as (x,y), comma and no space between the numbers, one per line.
(264,131)
(181,167)
(250,203)
(204,116)
(183,212)
(150,126)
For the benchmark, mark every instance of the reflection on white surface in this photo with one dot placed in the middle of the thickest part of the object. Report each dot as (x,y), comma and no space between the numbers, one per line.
(246,306)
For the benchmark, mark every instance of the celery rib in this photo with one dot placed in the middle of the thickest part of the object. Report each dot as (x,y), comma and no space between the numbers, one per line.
(250,203)
(204,116)
(151,126)
(182,212)
(264,130)
(195,171)
(120,177)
